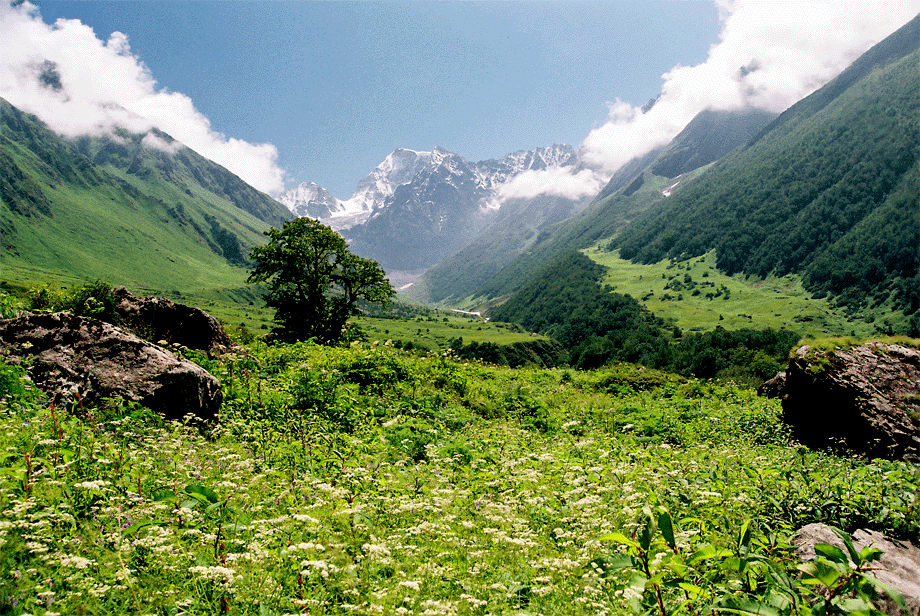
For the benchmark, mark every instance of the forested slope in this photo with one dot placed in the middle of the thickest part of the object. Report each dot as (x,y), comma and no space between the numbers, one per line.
(636,187)
(828,190)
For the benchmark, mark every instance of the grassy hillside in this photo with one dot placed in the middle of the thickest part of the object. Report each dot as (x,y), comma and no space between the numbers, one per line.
(97,208)
(368,481)
(634,188)
(597,325)
(600,220)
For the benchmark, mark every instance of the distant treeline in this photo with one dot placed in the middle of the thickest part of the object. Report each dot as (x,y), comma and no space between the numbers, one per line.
(598,326)
(537,352)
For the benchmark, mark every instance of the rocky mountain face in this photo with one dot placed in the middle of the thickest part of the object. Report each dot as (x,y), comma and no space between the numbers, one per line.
(441,209)
(311,199)
(416,208)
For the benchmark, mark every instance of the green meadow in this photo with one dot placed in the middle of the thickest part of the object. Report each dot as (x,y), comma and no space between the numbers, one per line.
(371,480)
(695,296)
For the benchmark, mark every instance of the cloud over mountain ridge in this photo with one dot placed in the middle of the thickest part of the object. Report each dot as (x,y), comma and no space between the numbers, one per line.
(81,85)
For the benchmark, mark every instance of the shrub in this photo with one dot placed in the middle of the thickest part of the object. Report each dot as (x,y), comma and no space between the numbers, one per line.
(15,384)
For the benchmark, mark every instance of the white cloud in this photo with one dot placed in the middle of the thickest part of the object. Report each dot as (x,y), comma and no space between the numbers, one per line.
(78,84)
(556,181)
(770,54)
(152,140)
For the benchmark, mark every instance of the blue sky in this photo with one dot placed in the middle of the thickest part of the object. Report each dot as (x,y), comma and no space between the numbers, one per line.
(337,86)
(287,92)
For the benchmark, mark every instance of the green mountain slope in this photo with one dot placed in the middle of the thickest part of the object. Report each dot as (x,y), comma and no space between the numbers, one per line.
(627,173)
(525,223)
(519,225)
(708,137)
(119,210)
(600,220)
(627,195)
(829,190)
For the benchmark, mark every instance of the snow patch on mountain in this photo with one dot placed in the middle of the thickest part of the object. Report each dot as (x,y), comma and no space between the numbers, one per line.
(311,199)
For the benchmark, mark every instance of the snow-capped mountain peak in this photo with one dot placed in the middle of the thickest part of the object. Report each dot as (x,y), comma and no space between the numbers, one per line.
(416,207)
(398,168)
(311,199)
(422,169)
(497,172)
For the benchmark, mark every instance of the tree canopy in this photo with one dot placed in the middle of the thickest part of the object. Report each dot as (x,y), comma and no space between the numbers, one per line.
(314,282)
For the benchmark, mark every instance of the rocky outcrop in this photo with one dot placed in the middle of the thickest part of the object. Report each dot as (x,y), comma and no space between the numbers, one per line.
(157,318)
(897,567)
(774,387)
(76,360)
(866,399)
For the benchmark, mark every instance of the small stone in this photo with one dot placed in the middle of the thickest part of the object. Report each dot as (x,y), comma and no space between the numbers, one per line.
(898,566)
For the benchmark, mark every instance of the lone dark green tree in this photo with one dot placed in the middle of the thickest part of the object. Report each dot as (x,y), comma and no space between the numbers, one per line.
(314,282)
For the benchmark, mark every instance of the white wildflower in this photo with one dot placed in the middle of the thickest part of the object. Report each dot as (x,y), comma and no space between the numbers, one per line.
(91,485)
(76,562)
(216,573)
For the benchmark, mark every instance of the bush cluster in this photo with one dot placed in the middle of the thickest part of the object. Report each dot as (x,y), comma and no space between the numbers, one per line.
(599,326)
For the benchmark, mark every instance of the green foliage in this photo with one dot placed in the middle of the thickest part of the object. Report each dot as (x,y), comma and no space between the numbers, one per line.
(757,353)
(539,352)
(780,302)
(326,487)
(314,282)
(91,299)
(377,372)
(566,303)
(15,383)
(624,378)
(740,576)
(599,327)
(46,299)
(411,437)
(10,307)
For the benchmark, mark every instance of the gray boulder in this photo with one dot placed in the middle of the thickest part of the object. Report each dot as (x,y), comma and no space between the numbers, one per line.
(158,318)
(899,566)
(866,399)
(76,360)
